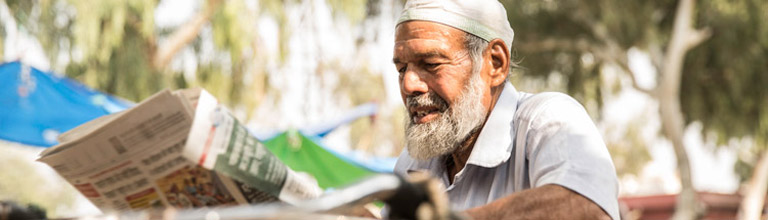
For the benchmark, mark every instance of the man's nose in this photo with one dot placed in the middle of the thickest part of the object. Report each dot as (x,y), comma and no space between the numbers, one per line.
(413,83)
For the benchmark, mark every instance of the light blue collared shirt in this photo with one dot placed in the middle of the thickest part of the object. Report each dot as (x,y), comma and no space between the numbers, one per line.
(528,141)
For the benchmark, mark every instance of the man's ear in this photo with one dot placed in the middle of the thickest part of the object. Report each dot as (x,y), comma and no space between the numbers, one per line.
(499,57)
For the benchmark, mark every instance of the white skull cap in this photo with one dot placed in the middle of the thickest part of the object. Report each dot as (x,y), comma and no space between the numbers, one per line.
(486,19)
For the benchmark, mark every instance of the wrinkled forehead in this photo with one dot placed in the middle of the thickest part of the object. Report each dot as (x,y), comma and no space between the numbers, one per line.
(427,30)
(426,35)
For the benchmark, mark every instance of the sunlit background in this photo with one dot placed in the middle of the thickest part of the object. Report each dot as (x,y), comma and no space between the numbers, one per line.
(282,65)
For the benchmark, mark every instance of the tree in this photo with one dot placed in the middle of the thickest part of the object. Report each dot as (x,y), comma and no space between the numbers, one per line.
(554,36)
(725,86)
(115,46)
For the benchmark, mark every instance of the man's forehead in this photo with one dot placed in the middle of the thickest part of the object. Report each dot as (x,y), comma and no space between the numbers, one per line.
(421,45)
(422,38)
(427,30)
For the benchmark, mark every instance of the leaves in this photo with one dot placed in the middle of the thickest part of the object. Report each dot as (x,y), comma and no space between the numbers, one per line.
(355,10)
(724,82)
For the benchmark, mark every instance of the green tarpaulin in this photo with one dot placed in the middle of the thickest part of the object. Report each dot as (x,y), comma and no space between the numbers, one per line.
(304,155)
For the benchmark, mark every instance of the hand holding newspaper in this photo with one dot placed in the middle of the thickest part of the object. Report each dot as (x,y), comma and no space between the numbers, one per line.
(177,149)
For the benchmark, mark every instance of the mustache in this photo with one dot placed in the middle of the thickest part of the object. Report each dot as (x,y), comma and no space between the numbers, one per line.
(426,99)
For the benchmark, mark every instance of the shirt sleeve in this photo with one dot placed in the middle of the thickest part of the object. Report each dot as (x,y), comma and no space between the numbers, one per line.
(564,147)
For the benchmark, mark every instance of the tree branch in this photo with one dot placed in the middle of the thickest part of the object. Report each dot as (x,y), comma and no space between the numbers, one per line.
(752,204)
(616,56)
(183,35)
(684,37)
(611,51)
(625,66)
(696,37)
(552,44)
(621,61)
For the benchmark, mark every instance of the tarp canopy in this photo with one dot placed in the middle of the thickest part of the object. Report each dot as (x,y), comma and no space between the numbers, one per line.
(303,154)
(314,133)
(323,128)
(37,106)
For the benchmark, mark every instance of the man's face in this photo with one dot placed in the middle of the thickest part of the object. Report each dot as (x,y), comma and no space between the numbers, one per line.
(446,100)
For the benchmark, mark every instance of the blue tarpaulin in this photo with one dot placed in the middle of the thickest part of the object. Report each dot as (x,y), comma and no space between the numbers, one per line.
(37,106)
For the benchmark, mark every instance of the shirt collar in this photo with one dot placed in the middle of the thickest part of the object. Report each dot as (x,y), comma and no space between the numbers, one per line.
(492,147)
(494,144)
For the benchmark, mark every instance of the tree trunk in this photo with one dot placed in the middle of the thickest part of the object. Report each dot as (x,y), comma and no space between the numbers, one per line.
(683,38)
(754,195)
(672,125)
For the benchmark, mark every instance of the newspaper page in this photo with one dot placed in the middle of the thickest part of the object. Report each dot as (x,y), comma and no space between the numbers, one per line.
(219,142)
(147,157)
(112,162)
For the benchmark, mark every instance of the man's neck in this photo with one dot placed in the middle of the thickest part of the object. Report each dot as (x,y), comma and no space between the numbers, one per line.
(458,159)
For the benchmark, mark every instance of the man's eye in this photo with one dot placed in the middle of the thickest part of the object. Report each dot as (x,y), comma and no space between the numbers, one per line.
(431,66)
(401,70)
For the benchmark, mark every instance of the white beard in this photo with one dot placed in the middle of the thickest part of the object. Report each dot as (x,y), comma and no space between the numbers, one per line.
(452,127)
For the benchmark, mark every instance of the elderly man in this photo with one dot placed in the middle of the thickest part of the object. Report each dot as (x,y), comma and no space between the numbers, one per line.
(502,154)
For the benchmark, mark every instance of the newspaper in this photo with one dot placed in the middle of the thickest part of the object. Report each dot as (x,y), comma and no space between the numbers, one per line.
(177,149)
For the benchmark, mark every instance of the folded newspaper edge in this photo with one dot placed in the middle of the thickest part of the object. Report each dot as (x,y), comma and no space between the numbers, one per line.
(178,149)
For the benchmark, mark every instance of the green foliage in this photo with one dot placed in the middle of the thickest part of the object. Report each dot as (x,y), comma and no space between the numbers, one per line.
(355,10)
(229,33)
(103,28)
(275,9)
(112,44)
(723,81)
(552,36)
(108,46)
(629,153)
(724,84)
